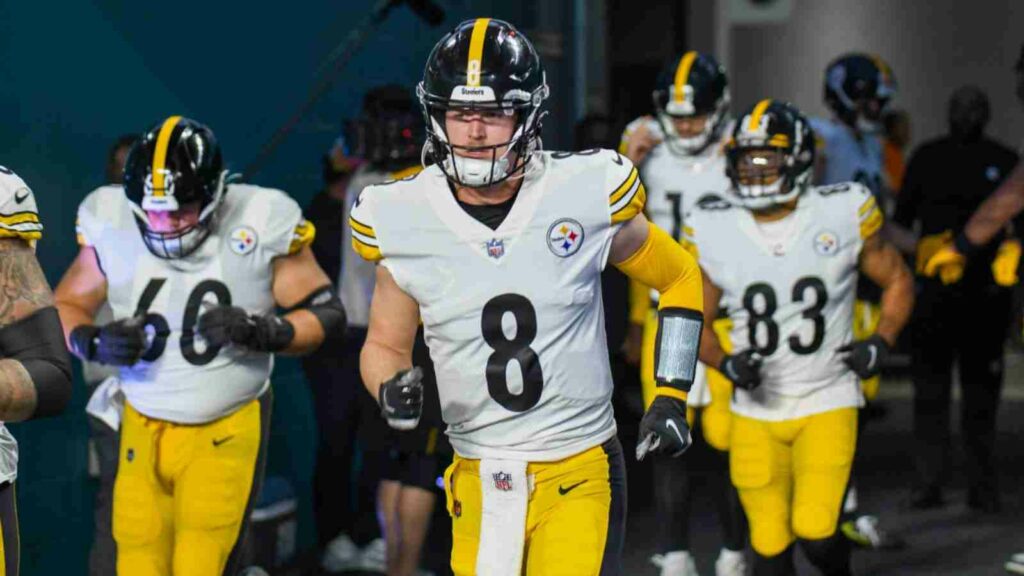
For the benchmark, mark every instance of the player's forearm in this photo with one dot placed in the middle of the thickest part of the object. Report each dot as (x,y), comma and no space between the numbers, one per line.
(17,392)
(309,333)
(711,352)
(1001,207)
(896,305)
(379,362)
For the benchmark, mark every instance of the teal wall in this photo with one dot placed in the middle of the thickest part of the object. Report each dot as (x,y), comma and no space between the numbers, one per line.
(76,74)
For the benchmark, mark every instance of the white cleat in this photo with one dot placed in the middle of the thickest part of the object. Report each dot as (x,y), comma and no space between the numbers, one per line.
(1016,563)
(678,563)
(731,563)
(341,554)
(375,557)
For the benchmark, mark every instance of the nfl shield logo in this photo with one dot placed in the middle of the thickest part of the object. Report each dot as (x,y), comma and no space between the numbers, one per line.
(495,248)
(503,481)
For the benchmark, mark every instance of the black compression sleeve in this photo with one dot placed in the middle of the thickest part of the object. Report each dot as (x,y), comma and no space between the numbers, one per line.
(37,341)
(326,306)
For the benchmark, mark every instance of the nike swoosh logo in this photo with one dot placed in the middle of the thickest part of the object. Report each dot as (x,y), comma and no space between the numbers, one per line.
(874,356)
(19,198)
(672,425)
(219,441)
(562,491)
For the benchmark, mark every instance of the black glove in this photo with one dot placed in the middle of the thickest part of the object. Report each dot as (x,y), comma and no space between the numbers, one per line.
(401,399)
(222,325)
(865,357)
(663,428)
(119,343)
(743,369)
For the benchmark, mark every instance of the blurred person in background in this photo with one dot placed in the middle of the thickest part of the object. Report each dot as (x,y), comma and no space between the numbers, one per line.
(857,89)
(897,138)
(680,153)
(947,179)
(104,410)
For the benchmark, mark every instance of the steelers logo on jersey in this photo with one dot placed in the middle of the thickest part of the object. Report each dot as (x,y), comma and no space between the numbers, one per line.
(826,243)
(565,237)
(242,240)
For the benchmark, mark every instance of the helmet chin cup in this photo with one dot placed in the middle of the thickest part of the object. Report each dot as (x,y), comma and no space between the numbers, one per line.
(477,172)
(866,126)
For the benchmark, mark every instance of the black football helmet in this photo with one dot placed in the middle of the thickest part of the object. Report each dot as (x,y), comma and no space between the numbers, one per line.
(483,64)
(176,162)
(770,156)
(693,84)
(389,134)
(858,87)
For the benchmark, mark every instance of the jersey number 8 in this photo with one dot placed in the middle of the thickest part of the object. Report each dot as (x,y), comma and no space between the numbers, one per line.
(507,350)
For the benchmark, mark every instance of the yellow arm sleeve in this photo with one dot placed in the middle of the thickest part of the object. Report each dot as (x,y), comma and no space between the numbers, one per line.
(639,302)
(661,263)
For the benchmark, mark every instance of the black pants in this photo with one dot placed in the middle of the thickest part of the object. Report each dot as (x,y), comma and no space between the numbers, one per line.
(103,555)
(967,324)
(339,399)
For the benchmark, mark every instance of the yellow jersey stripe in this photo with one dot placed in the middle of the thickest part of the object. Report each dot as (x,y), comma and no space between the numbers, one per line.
(683,74)
(303,236)
(160,154)
(866,206)
(476,51)
(755,116)
(871,224)
(361,228)
(371,253)
(29,235)
(630,209)
(19,218)
(406,172)
(624,187)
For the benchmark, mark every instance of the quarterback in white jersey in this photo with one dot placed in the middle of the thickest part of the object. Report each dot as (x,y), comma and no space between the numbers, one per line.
(499,248)
(35,371)
(681,157)
(784,259)
(193,269)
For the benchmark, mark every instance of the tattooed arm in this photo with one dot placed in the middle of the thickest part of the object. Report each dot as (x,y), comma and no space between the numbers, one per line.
(35,374)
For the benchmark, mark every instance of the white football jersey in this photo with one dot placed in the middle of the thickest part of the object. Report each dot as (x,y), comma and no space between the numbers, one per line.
(19,218)
(513,317)
(674,183)
(849,159)
(180,378)
(789,289)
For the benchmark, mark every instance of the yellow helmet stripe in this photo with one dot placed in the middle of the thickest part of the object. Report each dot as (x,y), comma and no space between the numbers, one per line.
(476,51)
(882,67)
(683,74)
(755,117)
(160,154)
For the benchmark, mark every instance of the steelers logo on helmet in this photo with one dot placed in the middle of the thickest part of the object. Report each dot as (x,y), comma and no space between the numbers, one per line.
(691,102)
(770,155)
(483,67)
(174,180)
(858,87)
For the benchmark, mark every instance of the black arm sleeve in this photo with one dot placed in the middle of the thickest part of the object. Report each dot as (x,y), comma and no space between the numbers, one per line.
(328,309)
(37,341)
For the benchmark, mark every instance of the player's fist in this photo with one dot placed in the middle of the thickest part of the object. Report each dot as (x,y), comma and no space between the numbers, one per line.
(222,325)
(947,263)
(663,428)
(743,369)
(119,343)
(640,137)
(865,357)
(401,399)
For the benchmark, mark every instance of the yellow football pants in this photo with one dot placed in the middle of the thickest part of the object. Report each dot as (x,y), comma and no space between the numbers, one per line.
(183,492)
(865,321)
(576,514)
(716,417)
(792,475)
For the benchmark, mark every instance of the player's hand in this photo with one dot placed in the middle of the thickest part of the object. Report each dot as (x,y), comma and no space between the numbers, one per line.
(663,428)
(743,369)
(401,399)
(865,357)
(948,263)
(119,343)
(222,325)
(1006,263)
(641,140)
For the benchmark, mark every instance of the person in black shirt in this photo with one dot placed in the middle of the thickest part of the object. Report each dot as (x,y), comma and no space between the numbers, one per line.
(946,180)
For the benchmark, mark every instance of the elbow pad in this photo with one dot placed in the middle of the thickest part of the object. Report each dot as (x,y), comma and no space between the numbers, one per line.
(328,309)
(37,341)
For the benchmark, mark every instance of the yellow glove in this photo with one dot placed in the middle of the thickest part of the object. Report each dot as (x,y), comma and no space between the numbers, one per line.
(947,263)
(1004,266)
(927,246)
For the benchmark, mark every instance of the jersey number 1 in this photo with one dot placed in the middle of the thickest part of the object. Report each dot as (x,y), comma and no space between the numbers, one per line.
(161,329)
(506,350)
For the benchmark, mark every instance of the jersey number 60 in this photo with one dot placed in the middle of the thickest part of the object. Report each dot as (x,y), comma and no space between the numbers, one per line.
(517,348)
(162,330)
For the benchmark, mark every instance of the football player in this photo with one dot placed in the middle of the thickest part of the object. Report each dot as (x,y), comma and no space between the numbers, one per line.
(499,247)
(783,258)
(858,88)
(681,158)
(35,370)
(193,268)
